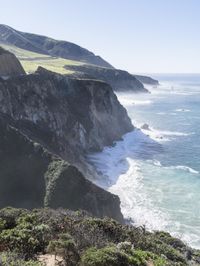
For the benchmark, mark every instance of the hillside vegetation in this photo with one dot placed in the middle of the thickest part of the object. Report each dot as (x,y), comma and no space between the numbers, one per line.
(80,239)
(31,60)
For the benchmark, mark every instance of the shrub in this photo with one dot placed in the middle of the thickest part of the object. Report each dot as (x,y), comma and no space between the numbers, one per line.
(113,256)
(12,259)
(2,224)
(105,256)
(66,248)
(26,238)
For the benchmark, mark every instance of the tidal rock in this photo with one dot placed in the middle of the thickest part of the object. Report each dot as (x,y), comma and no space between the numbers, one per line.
(145,127)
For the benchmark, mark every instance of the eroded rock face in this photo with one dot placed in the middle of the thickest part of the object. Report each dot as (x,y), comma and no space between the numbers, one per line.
(32,177)
(9,64)
(68,115)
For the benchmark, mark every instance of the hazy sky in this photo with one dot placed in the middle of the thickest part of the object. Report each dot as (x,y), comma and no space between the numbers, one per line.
(137,35)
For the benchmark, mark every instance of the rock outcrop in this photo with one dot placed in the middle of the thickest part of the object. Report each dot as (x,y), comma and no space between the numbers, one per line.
(32,177)
(9,64)
(45,45)
(119,80)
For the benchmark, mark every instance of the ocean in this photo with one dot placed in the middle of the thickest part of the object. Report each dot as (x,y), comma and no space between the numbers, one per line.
(155,169)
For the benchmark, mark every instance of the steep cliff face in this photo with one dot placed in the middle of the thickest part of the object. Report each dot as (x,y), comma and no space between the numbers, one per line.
(45,45)
(9,64)
(67,114)
(48,124)
(119,80)
(31,176)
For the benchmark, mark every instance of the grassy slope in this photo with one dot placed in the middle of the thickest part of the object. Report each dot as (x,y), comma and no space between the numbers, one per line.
(30,60)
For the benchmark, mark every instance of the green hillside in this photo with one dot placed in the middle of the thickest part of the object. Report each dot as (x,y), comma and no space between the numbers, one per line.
(31,60)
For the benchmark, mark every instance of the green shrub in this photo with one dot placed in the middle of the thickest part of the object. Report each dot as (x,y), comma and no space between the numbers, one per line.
(10,216)
(12,259)
(105,256)
(66,248)
(140,258)
(113,256)
(26,238)
(2,224)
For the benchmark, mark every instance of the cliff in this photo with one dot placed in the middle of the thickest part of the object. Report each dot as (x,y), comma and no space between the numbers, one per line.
(45,45)
(119,80)
(49,123)
(68,114)
(33,177)
(9,64)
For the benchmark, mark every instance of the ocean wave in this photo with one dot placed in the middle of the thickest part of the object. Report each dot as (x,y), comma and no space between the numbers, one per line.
(178,167)
(161,135)
(128,99)
(182,110)
(171,133)
(185,168)
(161,113)
(144,102)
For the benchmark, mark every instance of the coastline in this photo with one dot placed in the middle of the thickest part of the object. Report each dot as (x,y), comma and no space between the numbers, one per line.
(123,166)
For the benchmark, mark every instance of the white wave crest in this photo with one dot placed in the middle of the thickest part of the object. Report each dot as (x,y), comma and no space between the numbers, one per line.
(138,102)
(178,167)
(183,110)
(185,168)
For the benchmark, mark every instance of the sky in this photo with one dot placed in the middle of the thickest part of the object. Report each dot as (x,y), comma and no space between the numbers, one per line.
(141,36)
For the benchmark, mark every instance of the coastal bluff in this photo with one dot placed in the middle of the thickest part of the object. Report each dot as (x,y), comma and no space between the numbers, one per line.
(48,124)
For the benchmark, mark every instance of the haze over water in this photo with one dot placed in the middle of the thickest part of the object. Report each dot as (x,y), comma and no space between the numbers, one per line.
(156,171)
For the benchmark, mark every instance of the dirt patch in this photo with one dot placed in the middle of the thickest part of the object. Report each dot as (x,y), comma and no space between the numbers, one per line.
(50,260)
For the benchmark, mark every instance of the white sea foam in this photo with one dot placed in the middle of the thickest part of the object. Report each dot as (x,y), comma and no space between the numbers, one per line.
(163,135)
(171,133)
(121,175)
(128,99)
(135,204)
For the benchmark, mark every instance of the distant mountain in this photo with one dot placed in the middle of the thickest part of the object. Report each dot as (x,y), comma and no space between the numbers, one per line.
(147,80)
(48,46)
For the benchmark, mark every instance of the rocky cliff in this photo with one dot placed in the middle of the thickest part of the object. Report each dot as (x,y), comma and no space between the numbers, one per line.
(31,176)
(69,112)
(9,65)
(119,80)
(45,45)
(44,112)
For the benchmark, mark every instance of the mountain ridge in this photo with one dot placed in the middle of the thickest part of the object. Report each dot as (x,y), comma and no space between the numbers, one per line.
(49,46)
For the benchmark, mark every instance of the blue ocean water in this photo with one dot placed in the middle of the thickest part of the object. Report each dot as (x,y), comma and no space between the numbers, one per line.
(155,170)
